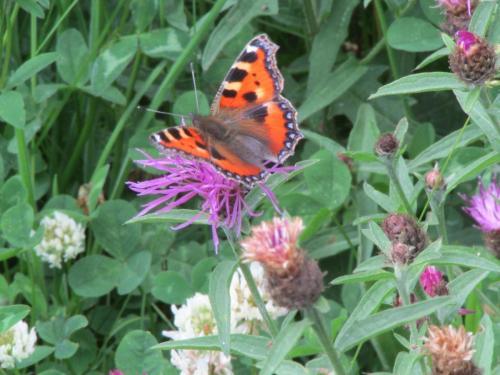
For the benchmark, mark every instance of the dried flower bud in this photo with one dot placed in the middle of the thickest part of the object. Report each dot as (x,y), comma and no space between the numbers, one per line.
(293,279)
(458,7)
(403,229)
(451,351)
(386,145)
(434,179)
(401,253)
(473,60)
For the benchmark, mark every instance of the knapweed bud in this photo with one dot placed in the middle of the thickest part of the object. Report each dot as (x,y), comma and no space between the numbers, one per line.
(386,145)
(473,60)
(434,179)
(433,282)
(403,229)
(294,281)
(457,14)
(401,253)
(451,351)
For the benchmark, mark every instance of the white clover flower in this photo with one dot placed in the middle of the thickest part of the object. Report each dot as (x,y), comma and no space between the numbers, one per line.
(243,308)
(63,239)
(17,343)
(195,319)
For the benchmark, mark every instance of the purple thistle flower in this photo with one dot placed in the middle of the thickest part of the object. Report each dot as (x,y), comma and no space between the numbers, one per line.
(484,207)
(183,180)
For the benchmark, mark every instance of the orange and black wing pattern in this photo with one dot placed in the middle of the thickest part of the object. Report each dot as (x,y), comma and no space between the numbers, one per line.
(253,78)
(186,140)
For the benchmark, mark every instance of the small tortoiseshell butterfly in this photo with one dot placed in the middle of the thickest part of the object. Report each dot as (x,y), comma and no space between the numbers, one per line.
(250,125)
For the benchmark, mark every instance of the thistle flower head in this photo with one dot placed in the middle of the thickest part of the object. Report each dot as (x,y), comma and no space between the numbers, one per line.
(484,207)
(294,281)
(433,282)
(450,350)
(184,180)
(16,344)
(274,244)
(386,145)
(473,60)
(63,239)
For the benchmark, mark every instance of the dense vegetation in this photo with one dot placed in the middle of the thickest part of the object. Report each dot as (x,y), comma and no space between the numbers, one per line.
(381,246)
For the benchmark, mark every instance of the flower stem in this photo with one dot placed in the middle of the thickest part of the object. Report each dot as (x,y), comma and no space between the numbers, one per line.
(247,274)
(391,171)
(319,328)
(401,283)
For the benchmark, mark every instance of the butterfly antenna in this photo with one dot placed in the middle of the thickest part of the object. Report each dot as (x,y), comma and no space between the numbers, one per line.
(195,90)
(160,112)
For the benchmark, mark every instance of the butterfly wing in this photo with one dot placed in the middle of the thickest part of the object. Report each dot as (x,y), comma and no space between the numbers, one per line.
(253,78)
(186,140)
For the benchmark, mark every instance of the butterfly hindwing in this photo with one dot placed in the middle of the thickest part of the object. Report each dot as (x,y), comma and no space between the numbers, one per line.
(253,78)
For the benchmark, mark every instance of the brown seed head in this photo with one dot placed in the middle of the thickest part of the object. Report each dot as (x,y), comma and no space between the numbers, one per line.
(403,229)
(386,145)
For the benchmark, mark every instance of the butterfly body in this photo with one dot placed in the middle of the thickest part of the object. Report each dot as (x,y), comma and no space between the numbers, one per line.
(250,124)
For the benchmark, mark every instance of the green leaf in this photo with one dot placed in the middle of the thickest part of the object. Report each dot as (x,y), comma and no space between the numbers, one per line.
(386,320)
(94,275)
(134,355)
(383,200)
(472,170)
(44,91)
(58,331)
(163,43)
(369,303)
(373,275)
(329,180)
(173,216)
(404,363)
(72,59)
(421,82)
(365,132)
(323,142)
(134,271)
(31,67)
(423,137)
(12,109)
(232,23)
(171,287)
(321,59)
(444,146)
(413,35)
(10,315)
(374,263)
(459,288)
(31,7)
(254,347)
(440,53)
(117,239)
(220,300)
(16,224)
(143,13)
(481,118)
(375,234)
(111,62)
(186,103)
(341,78)
(41,352)
(482,17)
(282,344)
(12,192)
(484,345)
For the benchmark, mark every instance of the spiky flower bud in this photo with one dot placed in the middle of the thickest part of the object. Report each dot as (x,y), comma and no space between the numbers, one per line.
(407,237)
(457,14)
(434,179)
(473,60)
(294,281)
(451,351)
(386,146)
(433,282)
